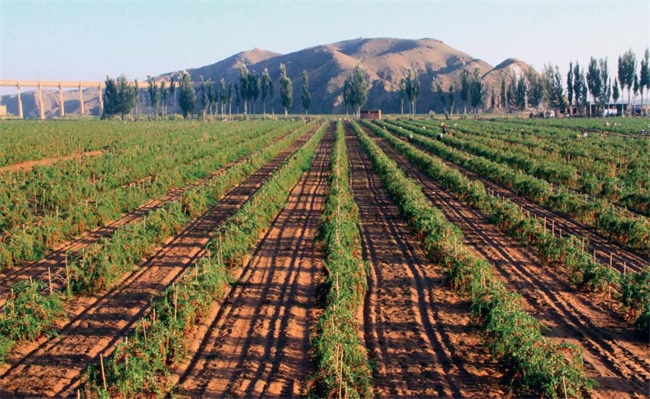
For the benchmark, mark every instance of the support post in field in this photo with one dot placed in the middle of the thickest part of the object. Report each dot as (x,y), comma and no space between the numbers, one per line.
(81,100)
(61,103)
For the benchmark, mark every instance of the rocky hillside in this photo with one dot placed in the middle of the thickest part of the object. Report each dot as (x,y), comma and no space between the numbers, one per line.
(385,60)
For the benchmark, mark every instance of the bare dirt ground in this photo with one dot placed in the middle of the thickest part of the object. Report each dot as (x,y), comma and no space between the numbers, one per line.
(417,331)
(98,323)
(28,165)
(54,263)
(622,256)
(258,345)
(614,355)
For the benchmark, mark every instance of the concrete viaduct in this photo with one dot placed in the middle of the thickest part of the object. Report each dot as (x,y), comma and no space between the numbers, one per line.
(18,84)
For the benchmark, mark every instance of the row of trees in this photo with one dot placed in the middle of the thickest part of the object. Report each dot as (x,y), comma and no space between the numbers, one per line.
(584,87)
(121,97)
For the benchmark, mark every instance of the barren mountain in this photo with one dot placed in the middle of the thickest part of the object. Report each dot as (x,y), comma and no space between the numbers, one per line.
(385,60)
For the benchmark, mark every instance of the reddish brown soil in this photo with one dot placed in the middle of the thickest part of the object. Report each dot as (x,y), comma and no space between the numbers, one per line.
(100,322)
(417,331)
(25,166)
(565,225)
(258,345)
(614,356)
(55,261)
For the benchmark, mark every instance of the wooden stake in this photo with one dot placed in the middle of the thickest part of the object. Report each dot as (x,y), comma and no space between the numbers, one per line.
(594,256)
(564,386)
(144,332)
(49,278)
(153,316)
(175,301)
(101,363)
(544,224)
(67,275)
(611,255)
(553,228)
(624,268)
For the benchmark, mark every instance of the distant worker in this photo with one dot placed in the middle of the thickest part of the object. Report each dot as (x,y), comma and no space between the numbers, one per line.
(444,128)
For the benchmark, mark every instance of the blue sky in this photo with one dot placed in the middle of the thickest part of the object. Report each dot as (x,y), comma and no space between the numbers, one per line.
(87,40)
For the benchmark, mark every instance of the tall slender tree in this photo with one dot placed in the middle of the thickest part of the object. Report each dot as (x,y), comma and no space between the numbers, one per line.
(606,90)
(412,82)
(441,95)
(464,87)
(152,88)
(306,95)
(358,89)
(579,86)
(616,94)
(594,82)
(286,90)
(477,91)
(569,84)
(163,98)
(223,91)
(266,80)
(626,70)
(452,99)
(244,87)
(644,74)
(186,95)
(172,91)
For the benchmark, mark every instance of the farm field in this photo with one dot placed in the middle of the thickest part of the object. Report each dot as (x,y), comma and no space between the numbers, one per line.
(510,258)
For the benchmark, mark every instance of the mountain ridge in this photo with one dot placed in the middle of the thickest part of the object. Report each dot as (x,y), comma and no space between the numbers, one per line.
(385,61)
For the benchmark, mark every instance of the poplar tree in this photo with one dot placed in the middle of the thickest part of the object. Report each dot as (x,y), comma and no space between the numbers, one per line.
(306,95)
(186,95)
(243,87)
(477,91)
(412,83)
(163,97)
(464,87)
(266,80)
(153,94)
(626,69)
(644,75)
(223,96)
(358,89)
(286,90)
(569,84)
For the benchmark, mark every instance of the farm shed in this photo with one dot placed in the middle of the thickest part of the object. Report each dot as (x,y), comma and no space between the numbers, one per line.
(371,114)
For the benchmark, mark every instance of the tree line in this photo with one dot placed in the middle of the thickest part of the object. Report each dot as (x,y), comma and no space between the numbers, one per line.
(202,98)
(585,86)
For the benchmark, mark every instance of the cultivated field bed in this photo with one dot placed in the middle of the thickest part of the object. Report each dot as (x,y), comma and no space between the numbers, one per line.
(324,259)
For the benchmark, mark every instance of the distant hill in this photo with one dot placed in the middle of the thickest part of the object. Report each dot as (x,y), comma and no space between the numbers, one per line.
(385,60)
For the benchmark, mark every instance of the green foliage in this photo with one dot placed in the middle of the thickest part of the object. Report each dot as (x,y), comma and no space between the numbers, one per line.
(355,89)
(27,315)
(186,95)
(119,97)
(306,96)
(342,363)
(142,365)
(286,90)
(540,366)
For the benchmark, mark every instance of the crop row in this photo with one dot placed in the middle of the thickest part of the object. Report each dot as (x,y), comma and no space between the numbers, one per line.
(513,336)
(343,369)
(30,241)
(568,252)
(627,230)
(141,365)
(102,265)
(632,193)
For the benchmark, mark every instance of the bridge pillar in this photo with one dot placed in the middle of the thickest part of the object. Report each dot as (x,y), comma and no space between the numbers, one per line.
(81,100)
(40,102)
(20,103)
(101,100)
(61,103)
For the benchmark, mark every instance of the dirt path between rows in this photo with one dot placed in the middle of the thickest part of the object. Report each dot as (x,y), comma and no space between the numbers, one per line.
(258,345)
(99,323)
(417,331)
(28,165)
(614,356)
(54,263)
(565,225)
